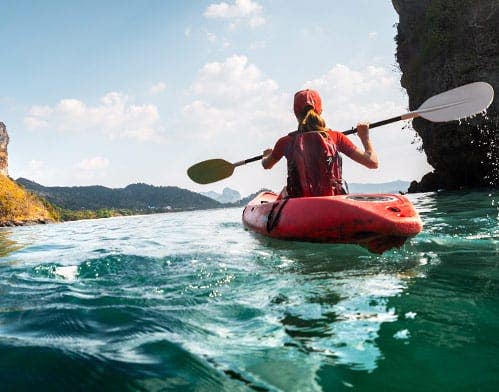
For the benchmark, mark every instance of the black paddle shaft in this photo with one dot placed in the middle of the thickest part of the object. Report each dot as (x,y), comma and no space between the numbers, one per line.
(376,124)
(249,160)
(253,159)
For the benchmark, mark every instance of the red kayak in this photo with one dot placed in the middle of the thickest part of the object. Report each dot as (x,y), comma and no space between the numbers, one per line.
(377,222)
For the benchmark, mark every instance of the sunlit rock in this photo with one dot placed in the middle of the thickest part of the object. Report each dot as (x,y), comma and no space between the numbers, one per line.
(4,141)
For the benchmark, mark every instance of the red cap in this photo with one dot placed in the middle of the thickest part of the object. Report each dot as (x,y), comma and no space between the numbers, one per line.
(306,98)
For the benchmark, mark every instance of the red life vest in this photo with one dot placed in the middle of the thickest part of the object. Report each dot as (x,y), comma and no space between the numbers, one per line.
(314,165)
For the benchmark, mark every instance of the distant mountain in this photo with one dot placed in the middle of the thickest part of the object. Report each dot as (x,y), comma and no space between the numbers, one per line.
(136,197)
(385,187)
(227,196)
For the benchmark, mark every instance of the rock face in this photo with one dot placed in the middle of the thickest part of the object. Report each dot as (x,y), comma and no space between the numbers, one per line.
(19,207)
(4,141)
(442,44)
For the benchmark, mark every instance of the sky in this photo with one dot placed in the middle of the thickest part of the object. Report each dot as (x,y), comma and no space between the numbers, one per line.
(120,92)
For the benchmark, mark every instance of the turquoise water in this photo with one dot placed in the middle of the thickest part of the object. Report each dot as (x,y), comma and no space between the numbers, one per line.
(192,301)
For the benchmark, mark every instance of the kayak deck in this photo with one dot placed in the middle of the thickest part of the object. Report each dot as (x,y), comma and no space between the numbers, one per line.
(377,222)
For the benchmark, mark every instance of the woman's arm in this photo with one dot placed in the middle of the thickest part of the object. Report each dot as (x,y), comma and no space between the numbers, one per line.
(268,160)
(272,156)
(368,157)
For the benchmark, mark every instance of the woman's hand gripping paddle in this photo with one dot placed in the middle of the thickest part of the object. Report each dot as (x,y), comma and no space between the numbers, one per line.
(455,104)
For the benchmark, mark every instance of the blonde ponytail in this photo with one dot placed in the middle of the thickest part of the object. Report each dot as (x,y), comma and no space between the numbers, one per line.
(311,122)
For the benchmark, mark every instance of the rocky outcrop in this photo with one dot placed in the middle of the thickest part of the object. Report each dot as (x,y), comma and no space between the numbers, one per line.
(442,44)
(4,141)
(20,207)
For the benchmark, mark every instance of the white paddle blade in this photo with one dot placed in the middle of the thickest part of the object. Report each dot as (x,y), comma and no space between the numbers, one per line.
(460,102)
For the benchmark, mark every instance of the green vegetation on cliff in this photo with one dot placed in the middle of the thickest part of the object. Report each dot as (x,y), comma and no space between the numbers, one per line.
(18,206)
(87,202)
(71,215)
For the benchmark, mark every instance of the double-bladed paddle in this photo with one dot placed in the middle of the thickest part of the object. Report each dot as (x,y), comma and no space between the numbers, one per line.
(455,104)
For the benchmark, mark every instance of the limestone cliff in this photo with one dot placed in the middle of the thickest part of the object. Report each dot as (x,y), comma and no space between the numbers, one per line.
(442,44)
(4,141)
(18,206)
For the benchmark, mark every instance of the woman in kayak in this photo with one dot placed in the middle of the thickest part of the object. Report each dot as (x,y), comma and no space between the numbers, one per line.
(312,152)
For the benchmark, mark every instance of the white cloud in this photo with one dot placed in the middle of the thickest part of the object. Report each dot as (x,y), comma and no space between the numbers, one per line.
(219,43)
(232,79)
(240,11)
(372,34)
(209,120)
(236,111)
(33,122)
(344,82)
(237,86)
(232,96)
(211,37)
(157,88)
(89,170)
(39,110)
(187,32)
(94,163)
(115,116)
